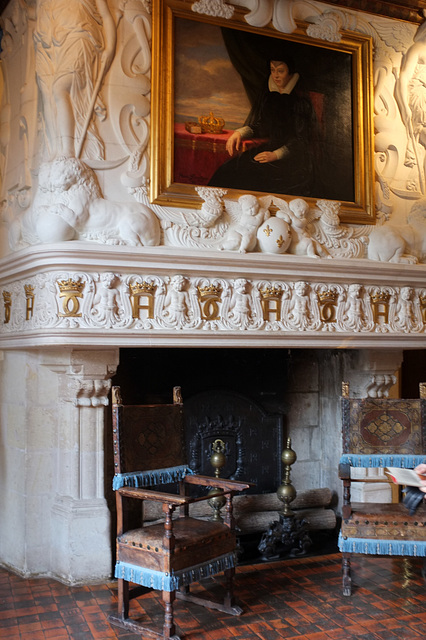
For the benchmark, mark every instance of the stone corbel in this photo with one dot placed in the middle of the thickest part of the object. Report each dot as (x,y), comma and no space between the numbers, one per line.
(86,392)
(372,373)
(87,380)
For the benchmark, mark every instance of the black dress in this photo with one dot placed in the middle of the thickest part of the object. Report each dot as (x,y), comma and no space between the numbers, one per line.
(278,119)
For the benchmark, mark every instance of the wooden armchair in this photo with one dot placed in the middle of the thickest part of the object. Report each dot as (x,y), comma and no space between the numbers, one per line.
(149,451)
(378,433)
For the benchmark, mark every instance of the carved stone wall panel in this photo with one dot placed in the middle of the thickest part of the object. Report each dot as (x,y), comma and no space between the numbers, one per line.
(78,169)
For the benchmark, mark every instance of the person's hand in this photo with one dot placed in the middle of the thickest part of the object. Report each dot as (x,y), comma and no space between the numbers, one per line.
(233,144)
(266,156)
(421,470)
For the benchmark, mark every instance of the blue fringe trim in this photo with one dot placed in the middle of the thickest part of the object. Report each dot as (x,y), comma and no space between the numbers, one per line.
(150,478)
(170,582)
(373,546)
(386,460)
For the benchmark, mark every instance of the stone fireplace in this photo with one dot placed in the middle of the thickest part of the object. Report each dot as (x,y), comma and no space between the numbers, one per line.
(103,284)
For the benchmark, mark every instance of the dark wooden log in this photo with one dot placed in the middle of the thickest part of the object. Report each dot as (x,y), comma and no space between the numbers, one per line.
(316,519)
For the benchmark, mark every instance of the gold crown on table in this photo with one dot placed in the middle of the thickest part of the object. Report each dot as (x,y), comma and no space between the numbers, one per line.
(211,123)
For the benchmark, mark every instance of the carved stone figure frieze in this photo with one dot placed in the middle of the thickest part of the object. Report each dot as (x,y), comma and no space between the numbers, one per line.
(177,303)
(136,303)
(107,308)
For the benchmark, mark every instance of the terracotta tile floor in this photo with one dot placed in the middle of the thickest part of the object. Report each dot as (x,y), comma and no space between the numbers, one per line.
(297,599)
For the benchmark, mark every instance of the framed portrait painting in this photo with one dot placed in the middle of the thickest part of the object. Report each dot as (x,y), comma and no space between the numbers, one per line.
(259,111)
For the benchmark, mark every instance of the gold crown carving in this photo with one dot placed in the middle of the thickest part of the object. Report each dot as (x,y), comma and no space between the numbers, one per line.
(140,288)
(210,290)
(328,297)
(7,297)
(211,123)
(271,292)
(382,297)
(71,285)
(29,290)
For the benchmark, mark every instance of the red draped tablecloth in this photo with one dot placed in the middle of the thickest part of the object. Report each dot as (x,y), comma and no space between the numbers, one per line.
(198,155)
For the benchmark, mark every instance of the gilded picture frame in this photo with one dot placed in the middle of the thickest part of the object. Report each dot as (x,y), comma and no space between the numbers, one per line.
(198,84)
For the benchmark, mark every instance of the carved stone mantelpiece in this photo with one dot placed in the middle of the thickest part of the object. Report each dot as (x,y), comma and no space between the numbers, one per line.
(83,296)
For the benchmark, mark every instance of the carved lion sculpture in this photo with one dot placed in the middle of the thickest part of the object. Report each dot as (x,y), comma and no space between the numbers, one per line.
(69,206)
(405,243)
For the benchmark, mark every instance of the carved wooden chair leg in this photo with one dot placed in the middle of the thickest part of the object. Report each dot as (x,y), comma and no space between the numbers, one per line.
(229,601)
(169,628)
(123,599)
(346,570)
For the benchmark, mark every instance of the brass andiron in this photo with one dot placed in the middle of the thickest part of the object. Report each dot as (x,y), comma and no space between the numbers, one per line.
(286,493)
(218,461)
(288,535)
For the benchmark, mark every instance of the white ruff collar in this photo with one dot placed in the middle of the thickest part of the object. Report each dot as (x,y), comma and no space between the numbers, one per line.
(288,87)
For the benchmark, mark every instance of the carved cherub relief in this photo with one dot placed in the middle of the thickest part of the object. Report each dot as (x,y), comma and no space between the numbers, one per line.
(354,313)
(241,306)
(177,302)
(300,313)
(107,303)
(298,214)
(247,216)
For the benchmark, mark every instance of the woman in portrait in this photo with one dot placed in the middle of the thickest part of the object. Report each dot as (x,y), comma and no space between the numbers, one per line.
(283,120)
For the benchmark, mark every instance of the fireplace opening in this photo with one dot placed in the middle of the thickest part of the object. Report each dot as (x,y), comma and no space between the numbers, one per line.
(249,399)
(285,392)
(234,395)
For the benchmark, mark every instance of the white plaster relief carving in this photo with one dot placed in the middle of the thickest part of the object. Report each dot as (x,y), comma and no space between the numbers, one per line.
(201,304)
(260,11)
(328,26)
(274,235)
(86,392)
(407,314)
(107,308)
(380,385)
(125,133)
(18,108)
(177,303)
(217,8)
(75,44)
(240,310)
(298,214)
(356,312)
(69,206)
(280,13)
(247,217)
(246,225)
(303,313)
(129,89)
(404,243)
